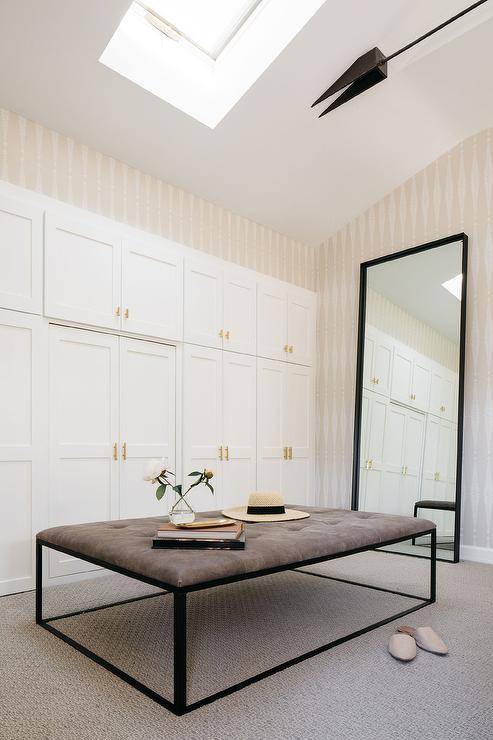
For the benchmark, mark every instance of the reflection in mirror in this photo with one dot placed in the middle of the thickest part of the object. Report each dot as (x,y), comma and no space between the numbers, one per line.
(408,417)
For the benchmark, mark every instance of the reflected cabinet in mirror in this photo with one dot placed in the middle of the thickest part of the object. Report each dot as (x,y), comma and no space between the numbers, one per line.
(409,393)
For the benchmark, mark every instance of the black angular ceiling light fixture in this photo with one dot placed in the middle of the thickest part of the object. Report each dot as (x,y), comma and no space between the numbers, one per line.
(371,68)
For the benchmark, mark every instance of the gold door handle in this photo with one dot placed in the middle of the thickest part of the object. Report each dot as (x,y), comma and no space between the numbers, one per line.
(370,464)
(290,453)
(117,311)
(285,453)
(442,408)
(221,333)
(404,470)
(124,450)
(437,476)
(377,380)
(226,334)
(286,347)
(221,452)
(226,452)
(126,313)
(115,451)
(291,349)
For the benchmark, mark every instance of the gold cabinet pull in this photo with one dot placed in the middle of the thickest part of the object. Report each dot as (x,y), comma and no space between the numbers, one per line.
(437,476)
(226,452)
(117,311)
(369,464)
(290,453)
(124,450)
(291,349)
(442,408)
(285,453)
(226,334)
(286,348)
(377,380)
(126,314)
(404,470)
(221,452)
(221,333)
(115,451)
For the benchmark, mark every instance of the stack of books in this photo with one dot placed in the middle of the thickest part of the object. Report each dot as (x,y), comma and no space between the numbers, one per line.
(201,535)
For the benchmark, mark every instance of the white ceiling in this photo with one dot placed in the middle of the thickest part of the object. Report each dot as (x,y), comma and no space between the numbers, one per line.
(415,284)
(271,159)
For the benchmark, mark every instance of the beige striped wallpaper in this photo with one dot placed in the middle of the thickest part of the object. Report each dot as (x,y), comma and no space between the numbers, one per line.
(453,194)
(34,157)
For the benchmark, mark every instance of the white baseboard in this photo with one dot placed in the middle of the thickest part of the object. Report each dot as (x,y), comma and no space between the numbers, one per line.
(477,554)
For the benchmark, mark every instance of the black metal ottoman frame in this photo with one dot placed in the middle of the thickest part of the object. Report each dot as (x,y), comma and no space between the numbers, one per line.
(179,704)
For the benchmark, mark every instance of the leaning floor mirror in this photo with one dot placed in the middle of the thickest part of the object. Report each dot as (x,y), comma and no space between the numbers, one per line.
(410,389)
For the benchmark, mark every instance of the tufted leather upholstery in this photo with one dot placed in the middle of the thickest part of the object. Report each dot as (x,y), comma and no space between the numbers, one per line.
(127,544)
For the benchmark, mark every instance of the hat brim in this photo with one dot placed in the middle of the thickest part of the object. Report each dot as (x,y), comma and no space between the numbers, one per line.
(240,512)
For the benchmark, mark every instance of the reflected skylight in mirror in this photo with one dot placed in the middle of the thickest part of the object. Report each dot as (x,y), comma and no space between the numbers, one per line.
(208,24)
(454,286)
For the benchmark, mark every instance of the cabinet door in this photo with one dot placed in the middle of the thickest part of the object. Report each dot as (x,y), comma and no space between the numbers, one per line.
(203,301)
(83,402)
(240,312)
(421,383)
(301,326)
(272,321)
(239,428)
(270,424)
(402,373)
(443,393)
(374,464)
(23,487)
(297,473)
(448,394)
(202,421)
(147,422)
(82,273)
(21,256)
(413,459)
(395,432)
(152,298)
(382,366)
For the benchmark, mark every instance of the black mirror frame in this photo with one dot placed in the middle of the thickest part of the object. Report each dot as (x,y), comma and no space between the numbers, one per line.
(359,373)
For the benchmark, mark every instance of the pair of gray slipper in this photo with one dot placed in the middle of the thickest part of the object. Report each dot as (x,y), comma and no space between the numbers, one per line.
(402,644)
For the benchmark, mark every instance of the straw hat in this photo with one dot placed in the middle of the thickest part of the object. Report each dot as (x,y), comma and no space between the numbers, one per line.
(265,506)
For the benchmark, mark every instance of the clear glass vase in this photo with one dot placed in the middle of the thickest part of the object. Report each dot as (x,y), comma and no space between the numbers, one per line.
(181,512)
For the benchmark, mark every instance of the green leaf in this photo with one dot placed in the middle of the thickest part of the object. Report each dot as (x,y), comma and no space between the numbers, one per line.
(209,486)
(177,488)
(194,473)
(160,491)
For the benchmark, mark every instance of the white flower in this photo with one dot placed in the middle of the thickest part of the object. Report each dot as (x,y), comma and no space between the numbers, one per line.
(154,469)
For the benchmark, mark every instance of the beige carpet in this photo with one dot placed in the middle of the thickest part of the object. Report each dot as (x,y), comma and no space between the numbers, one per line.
(48,690)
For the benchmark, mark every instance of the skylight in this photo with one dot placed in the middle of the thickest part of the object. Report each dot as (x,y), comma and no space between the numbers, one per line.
(454,286)
(208,24)
(203,55)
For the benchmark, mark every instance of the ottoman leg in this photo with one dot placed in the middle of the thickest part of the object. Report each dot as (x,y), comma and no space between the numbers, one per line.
(180,651)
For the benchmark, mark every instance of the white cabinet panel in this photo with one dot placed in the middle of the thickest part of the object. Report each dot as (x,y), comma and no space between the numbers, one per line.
(22,446)
(147,422)
(82,273)
(443,395)
(272,320)
(301,327)
(239,428)
(402,375)
(202,420)
(298,425)
(21,256)
(421,383)
(203,303)
(83,431)
(239,320)
(378,356)
(152,290)
(271,379)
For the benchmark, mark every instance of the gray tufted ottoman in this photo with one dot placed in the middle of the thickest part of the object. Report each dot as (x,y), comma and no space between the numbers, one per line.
(124,546)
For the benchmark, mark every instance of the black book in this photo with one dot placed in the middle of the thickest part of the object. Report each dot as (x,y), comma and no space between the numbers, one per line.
(159,543)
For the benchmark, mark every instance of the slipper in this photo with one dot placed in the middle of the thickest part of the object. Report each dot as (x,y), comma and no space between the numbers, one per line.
(426,638)
(402,647)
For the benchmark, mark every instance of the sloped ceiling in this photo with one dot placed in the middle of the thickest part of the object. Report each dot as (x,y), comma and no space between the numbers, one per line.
(271,159)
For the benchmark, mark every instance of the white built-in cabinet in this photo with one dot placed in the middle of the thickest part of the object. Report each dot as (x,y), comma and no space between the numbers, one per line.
(220,307)
(377,370)
(21,255)
(284,429)
(117,346)
(439,468)
(92,277)
(23,427)
(219,423)
(111,408)
(411,378)
(285,323)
